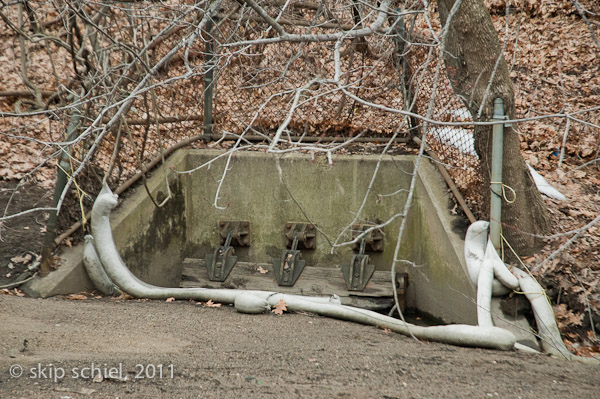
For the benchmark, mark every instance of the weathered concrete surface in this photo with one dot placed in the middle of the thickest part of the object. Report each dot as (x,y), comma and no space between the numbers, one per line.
(270,190)
(441,282)
(149,239)
(68,278)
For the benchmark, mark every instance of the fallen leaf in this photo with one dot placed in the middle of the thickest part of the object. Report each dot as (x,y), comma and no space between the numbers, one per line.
(573,319)
(124,296)
(261,270)
(279,307)
(211,304)
(21,259)
(76,297)
(386,330)
(171,299)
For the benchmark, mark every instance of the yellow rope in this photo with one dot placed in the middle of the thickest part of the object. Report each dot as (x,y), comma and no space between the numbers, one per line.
(80,192)
(504,187)
(504,240)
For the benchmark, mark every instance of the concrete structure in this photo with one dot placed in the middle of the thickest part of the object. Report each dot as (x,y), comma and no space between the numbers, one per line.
(269,191)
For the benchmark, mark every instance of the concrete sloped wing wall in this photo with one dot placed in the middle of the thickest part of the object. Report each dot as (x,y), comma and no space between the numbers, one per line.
(442,286)
(150,240)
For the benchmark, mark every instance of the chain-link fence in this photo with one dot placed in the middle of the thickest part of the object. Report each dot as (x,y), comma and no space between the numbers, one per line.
(256,86)
(432,96)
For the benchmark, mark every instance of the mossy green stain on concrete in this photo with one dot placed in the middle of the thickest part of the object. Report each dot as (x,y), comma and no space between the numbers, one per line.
(161,241)
(151,240)
(304,191)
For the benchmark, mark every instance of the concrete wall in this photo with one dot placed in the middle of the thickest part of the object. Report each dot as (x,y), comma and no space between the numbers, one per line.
(151,241)
(269,191)
(441,285)
(326,195)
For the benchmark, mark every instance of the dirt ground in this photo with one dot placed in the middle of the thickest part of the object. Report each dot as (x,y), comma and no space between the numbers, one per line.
(218,353)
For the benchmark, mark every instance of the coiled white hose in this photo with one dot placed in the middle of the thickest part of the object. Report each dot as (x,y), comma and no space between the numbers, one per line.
(489,269)
(95,270)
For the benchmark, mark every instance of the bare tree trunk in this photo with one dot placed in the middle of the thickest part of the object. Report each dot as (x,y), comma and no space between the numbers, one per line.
(472,59)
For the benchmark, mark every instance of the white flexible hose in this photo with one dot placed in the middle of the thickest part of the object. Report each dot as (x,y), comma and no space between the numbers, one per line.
(475,248)
(458,334)
(95,270)
(544,316)
(484,292)
(501,272)
(490,268)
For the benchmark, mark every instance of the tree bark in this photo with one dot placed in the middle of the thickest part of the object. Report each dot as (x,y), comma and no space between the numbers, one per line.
(470,55)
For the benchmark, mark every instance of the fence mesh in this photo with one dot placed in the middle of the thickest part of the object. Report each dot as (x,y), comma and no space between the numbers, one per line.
(453,145)
(259,86)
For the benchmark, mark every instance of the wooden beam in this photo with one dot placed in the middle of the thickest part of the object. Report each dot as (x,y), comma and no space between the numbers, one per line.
(313,280)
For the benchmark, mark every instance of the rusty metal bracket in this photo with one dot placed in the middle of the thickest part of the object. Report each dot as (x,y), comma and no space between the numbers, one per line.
(358,273)
(289,267)
(373,239)
(231,233)
(240,232)
(305,232)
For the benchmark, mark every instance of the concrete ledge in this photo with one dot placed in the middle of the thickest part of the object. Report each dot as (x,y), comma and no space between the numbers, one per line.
(70,277)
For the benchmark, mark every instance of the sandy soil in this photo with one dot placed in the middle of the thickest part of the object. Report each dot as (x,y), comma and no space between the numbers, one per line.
(216,352)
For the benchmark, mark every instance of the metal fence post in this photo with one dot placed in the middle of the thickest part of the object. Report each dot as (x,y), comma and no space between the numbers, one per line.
(496,180)
(209,66)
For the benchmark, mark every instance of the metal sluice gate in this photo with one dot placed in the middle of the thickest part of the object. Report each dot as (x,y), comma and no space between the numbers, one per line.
(358,276)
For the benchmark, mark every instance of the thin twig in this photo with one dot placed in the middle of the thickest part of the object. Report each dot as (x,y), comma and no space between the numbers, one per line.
(566,244)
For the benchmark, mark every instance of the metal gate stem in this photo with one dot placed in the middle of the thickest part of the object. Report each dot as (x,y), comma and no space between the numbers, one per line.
(496,181)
